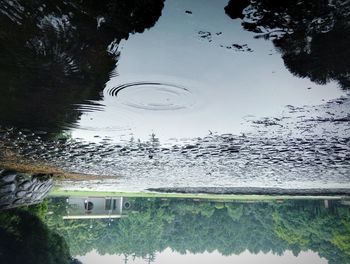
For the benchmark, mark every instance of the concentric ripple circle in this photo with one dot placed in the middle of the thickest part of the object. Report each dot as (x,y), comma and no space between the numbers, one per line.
(153,96)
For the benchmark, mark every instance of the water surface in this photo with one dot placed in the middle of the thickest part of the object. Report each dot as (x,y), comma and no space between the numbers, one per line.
(222,83)
(179,93)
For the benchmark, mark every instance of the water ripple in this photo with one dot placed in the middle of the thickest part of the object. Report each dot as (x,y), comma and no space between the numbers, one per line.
(153,96)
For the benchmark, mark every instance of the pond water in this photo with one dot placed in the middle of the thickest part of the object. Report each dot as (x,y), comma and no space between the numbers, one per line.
(158,230)
(205,83)
(178,93)
(192,96)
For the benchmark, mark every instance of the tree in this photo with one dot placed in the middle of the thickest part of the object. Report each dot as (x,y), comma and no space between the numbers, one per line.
(198,226)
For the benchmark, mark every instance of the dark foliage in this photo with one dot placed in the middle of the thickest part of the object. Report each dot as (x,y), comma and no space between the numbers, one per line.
(24,238)
(312,36)
(55,54)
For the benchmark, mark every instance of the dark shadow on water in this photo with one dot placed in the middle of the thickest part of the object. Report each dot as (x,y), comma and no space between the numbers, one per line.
(312,36)
(55,54)
(145,227)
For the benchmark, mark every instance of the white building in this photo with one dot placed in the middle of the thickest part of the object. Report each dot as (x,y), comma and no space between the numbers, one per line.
(96,207)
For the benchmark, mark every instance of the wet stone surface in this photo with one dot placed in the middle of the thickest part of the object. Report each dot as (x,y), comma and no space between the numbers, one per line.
(331,119)
(286,151)
(19,189)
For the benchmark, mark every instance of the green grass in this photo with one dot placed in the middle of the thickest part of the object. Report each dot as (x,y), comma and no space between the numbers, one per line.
(59,192)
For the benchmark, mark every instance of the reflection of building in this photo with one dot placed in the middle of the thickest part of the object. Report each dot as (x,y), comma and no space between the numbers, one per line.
(96,207)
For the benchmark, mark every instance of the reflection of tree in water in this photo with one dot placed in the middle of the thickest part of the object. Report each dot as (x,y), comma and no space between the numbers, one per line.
(57,53)
(312,36)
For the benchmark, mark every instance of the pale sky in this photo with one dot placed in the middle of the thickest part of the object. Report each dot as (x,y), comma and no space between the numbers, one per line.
(169,257)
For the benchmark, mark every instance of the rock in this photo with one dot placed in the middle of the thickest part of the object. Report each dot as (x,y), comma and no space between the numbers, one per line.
(8,176)
(25,185)
(19,189)
(6,198)
(20,194)
(18,201)
(8,188)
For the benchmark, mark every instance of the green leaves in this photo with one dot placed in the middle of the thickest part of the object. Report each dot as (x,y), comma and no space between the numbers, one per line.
(197,226)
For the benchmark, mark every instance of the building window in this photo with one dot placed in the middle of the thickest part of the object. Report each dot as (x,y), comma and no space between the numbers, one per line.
(108,204)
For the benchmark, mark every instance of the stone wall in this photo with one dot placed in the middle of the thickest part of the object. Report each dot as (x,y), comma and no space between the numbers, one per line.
(19,189)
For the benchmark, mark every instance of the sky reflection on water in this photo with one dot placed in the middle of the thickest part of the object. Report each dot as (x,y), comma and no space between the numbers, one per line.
(186,93)
(225,85)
